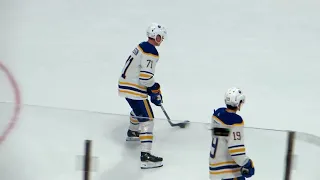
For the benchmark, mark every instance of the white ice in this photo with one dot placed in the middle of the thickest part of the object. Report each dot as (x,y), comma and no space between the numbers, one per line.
(69,54)
(47,143)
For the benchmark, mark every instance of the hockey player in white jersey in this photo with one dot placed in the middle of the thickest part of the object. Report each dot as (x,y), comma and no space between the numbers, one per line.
(228,159)
(136,83)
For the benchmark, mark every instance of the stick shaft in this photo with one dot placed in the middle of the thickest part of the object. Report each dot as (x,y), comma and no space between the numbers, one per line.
(166,114)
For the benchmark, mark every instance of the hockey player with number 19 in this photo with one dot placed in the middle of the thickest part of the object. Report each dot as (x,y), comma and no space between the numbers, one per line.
(136,83)
(228,159)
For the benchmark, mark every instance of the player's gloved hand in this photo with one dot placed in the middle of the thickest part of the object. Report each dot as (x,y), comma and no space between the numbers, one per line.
(247,170)
(156,99)
(155,94)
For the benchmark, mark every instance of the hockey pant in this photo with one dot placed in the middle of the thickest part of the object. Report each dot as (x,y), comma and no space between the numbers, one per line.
(142,115)
(238,178)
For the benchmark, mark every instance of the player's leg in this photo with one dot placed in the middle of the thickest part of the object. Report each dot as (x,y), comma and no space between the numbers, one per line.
(146,137)
(133,131)
(145,115)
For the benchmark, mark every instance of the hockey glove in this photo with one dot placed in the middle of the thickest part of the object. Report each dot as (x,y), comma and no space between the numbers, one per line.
(247,170)
(155,94)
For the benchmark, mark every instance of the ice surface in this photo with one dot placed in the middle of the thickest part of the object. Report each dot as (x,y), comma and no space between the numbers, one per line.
(47,142)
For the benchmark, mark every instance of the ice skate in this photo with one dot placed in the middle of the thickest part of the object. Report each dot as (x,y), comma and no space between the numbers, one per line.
(149,161)
(132,136)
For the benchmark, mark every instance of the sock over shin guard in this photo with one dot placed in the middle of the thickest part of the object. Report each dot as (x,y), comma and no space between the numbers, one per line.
(134,123)
(146,135)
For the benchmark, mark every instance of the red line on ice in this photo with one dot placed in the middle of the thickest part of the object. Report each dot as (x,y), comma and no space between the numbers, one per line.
(17,102)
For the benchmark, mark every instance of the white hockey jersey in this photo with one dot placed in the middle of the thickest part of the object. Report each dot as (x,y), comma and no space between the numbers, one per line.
(138,72)
(227,154)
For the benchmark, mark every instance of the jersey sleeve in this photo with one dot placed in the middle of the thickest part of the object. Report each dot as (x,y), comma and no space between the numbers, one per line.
(148,66)
(236,145)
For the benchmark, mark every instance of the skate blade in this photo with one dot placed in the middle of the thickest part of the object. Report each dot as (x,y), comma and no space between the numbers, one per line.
(151,165)
(132,139)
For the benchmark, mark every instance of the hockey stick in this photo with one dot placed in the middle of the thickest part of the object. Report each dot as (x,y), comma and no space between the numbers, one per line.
(181,125)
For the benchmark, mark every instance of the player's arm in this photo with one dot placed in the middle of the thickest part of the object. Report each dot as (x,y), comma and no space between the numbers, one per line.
(148,66)
(237,151)
(146,77)
(236,146)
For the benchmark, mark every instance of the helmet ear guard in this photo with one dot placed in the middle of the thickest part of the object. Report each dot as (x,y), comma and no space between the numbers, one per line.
(156,39)
(240,104)
(161,38)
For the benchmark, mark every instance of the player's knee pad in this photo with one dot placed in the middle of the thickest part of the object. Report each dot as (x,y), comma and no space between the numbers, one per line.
(147,126)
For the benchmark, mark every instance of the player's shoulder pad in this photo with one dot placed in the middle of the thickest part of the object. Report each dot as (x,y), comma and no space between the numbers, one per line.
(226,118)
(148,49)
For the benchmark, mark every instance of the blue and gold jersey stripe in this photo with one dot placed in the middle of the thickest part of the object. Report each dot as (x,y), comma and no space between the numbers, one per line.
(148,109)
(152,54)
(145,75)
(224,167)
(132,89)
(141,88)
(237,150)
(223,123)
